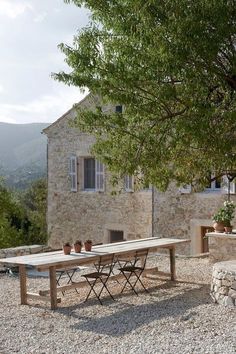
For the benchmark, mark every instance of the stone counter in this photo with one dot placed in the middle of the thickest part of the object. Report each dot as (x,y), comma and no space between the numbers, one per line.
(222,246)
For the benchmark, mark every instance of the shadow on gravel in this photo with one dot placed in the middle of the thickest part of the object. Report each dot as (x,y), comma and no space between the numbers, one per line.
(127,316)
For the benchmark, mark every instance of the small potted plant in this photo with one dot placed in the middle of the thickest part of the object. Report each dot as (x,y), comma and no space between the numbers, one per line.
(229,209)
(88,245)
(218,221)
(77,246)
(222,219)
(67,248)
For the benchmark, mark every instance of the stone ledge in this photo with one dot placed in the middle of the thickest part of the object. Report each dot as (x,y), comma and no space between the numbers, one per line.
(22,251)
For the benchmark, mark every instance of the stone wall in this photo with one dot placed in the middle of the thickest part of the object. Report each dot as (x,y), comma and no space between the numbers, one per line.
(183,215)
(88,214)
(22,251)
(223,286)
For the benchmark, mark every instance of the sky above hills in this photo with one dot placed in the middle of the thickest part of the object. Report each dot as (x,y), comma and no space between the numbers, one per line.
(30,31)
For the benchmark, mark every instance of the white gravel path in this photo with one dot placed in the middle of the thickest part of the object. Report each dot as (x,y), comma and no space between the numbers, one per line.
(175,317)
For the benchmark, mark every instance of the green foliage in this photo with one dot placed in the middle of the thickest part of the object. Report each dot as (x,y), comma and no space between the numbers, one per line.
(225,214)
(11,232)
(23,216)
(35,203)
(172,64)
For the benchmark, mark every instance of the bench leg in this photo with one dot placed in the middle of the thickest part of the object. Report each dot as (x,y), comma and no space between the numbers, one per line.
(23,293)
(172,263)
(53,287)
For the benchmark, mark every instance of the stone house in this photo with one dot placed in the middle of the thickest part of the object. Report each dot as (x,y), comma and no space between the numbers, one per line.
(81,204)
(181,213)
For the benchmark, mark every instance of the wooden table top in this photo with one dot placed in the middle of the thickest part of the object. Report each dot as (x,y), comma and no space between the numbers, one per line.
(42,261)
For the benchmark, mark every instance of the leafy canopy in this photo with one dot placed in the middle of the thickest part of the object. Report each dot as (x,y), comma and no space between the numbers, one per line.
(172,64)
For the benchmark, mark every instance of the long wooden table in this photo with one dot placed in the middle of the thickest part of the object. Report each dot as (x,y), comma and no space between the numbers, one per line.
(53,261)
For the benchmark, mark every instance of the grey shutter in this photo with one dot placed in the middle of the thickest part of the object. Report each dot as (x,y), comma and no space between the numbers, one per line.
(225,186)
(129,183)
(99,176)
(73,173)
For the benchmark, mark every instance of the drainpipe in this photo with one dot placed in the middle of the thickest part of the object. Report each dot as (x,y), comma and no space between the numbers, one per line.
(152,211)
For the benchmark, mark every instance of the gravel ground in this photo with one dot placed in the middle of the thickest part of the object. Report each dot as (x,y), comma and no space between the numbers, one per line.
(174,317)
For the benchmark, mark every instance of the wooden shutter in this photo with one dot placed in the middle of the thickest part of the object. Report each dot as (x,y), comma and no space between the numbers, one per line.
(186,189)
(129,183)
(73,173)
(99,176)
(225,186)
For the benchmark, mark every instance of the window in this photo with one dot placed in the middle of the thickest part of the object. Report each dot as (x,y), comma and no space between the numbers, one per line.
(118,109)
(116,236)
(214,185)
(89,173)
(93,174)
(129,183)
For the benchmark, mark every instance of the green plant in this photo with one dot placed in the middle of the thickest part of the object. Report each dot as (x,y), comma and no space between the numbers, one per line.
(225,214)
(89,241)
(67,244)
(78,242)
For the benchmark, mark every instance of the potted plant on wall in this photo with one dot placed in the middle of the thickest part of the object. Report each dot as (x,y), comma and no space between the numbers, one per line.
(229,209)
(223,217)
(67,248)
(88,245)
(77,246)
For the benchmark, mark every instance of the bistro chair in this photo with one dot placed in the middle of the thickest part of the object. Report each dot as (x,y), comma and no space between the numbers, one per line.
(104,269)
(67,274)
(135,269)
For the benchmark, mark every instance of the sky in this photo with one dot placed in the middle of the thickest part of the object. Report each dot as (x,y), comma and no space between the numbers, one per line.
(30,31)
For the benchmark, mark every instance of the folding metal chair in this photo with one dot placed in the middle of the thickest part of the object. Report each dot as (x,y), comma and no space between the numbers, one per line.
(68,274)
(104,269)
(129,270)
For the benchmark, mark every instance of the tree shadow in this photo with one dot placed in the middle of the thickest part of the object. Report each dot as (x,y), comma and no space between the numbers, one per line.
(127,316)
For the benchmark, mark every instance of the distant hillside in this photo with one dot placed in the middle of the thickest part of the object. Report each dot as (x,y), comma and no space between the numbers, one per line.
(23,152)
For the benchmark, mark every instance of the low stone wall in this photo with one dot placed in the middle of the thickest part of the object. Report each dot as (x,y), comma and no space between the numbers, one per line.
(223,286)
(21,251)
(222,247)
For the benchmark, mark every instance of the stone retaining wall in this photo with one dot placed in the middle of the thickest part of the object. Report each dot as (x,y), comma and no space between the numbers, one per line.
(223,286)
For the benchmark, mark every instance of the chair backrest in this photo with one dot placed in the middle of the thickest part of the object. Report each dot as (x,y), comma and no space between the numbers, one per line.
(105,261)
(142,256)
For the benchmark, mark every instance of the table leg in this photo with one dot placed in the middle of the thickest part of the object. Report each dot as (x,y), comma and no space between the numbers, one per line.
(53,287)
(172,263)
(23,292)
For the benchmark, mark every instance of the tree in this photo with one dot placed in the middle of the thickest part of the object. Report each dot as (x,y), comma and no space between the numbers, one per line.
(172,64)
(34,201)
(11,231)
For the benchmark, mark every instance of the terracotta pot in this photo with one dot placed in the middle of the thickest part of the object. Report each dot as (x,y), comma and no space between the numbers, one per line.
(88,246)
(219,226)
(228,229)
(67,249)
(77,248)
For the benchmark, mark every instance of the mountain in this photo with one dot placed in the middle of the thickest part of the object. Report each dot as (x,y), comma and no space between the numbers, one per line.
(23,153)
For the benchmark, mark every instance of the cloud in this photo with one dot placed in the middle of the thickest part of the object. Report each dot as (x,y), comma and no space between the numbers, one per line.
(30,31)
(46,108)
(13,9)
(40,17)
